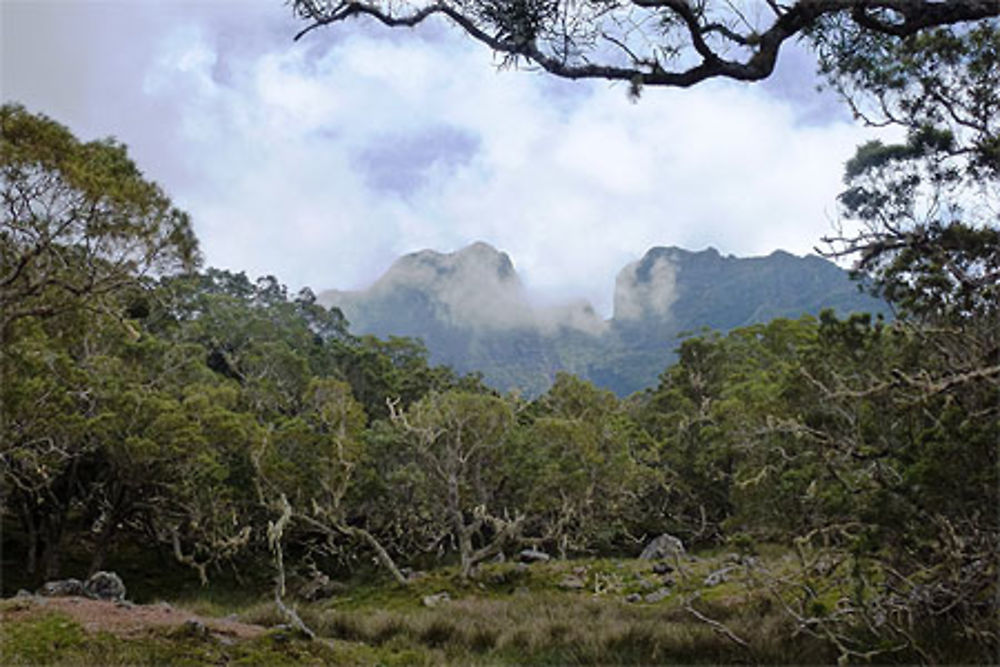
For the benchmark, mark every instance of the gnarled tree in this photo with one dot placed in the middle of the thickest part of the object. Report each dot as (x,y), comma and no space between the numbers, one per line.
(676,43)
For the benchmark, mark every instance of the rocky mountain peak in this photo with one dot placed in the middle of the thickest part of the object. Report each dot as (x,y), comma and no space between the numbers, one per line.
(479,263)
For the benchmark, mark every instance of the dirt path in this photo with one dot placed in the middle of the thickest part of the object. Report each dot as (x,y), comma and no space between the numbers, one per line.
(124,619)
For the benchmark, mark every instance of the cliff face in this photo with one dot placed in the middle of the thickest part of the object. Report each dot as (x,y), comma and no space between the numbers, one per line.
(471,310)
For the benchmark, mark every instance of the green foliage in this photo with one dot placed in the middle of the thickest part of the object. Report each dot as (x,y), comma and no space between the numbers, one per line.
(928,205)
(80,223)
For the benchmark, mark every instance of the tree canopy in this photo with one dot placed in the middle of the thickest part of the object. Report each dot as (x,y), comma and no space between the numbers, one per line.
(80,223)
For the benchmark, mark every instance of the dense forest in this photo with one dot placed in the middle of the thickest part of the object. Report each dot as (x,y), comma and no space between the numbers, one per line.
(153,406)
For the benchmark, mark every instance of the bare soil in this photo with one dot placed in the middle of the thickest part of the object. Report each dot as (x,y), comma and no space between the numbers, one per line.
(125,619)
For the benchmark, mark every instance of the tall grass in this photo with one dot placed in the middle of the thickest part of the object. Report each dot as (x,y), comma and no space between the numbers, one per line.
(561,629)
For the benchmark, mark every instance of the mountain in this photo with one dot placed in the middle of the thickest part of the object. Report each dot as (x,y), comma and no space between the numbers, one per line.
(672,291)
(471,310)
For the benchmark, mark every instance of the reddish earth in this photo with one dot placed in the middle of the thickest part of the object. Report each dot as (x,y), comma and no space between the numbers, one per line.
(124,620)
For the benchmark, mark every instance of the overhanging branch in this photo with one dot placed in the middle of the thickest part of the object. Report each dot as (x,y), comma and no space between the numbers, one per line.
(703,34)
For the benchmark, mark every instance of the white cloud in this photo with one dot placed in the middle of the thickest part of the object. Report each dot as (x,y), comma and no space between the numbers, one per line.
(270,146)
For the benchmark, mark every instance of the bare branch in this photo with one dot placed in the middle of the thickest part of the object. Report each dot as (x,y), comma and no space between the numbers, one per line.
(544,42)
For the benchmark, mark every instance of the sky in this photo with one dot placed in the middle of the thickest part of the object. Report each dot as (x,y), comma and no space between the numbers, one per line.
(321,161)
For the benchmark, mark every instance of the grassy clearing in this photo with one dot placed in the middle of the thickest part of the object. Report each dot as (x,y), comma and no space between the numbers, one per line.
(564,612)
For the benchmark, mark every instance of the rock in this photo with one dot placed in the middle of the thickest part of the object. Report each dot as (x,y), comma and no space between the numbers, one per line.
(646,584)
(436,599)
(320,587)
(282,634)
(62,588)
(24,594)
(500,557)
(633,597)
(664,546)
(193,628)
(499,578)
(662,568)
(580,571)
(657,595)
(668,580)
(105,586)
(718,577)
(572,582)
(533,556)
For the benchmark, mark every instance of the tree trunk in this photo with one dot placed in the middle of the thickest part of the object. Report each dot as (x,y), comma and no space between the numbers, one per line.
(380,552)
(458,527)
(101,546)
(51,554)
(31,526)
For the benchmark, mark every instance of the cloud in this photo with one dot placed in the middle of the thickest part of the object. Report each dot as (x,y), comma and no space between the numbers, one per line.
(321,161)
(400,164)
(476,287)
(643,291)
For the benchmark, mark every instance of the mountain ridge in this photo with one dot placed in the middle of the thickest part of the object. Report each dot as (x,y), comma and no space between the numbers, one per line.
(472,311)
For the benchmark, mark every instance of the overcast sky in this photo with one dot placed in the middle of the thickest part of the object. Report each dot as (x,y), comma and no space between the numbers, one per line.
(323,160)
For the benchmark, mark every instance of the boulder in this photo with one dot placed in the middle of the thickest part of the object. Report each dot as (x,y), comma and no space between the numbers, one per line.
(664,546)
(436,599)
(718,577)
(62,588)
(193,628)
(657,595)
(320,587)
(662,568)
(646,584)
(104,586)
(533,556)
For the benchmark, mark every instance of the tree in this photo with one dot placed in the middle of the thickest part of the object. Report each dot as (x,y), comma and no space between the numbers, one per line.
(652,42)
(80,230)
(924,212)
(306,468)
(458,442)
(79,224)
(576,468)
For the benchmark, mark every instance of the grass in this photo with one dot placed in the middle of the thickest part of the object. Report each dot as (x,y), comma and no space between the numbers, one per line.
(507,614)
(51,638)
